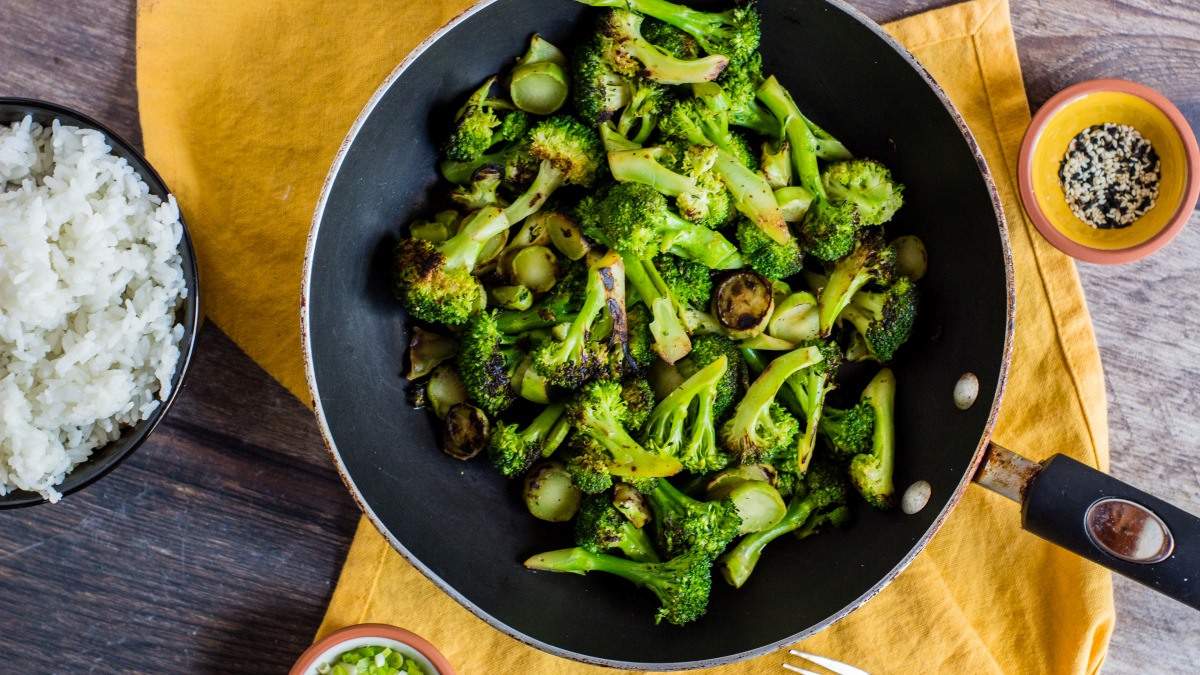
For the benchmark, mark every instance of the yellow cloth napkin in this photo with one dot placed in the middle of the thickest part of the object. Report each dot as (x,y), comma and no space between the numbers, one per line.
(243,107)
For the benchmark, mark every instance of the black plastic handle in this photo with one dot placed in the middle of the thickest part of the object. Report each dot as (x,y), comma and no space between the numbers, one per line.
(1116,525)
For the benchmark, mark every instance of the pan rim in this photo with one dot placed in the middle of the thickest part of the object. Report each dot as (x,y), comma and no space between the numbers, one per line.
(922,542)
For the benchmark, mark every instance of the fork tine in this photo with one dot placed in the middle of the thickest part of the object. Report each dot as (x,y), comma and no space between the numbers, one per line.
(798,669)
(836,666)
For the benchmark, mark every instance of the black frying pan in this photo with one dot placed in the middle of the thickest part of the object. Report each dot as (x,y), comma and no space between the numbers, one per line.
(465,527)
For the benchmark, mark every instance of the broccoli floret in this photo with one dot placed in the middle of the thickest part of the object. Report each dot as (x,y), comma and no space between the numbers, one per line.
(871,473)
(711,203)
(689,281)
(741,81)
(707,349)
(868,185)
(682,584)
(831,229)
(824,491)
(598,415)
(639,119)
(768,258)
(513,450)
(561,150)
(482,189)
(638,396)
(884,319)
(734,33)
(600,527)
(650,166)
(481,123)
(668,328)
(807,141)
(641,340)
(434,281)
(683,423)
(627,53)
(670,39)
(578,358)
(487,358)
(760,427)
(848,432)
(811,386)
(871,261)
(599,92)
(704,120)
(685,525)
(635,219)
(839,518)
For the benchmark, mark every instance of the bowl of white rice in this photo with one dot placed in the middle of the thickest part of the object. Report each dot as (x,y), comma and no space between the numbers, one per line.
(98,301)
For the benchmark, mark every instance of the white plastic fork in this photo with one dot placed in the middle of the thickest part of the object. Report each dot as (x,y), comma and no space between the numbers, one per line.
(836,666)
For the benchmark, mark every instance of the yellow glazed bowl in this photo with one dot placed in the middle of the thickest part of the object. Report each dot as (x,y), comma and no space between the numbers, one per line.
(1119,102)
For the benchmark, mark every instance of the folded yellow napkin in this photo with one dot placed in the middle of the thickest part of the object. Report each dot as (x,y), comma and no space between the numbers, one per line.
(243,106)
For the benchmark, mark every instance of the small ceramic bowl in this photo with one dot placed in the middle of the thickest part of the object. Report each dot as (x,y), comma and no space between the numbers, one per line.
(105,458)
(1120,102)
(327,649)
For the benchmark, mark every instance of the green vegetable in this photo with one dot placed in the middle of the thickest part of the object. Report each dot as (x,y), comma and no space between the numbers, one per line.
(372,660)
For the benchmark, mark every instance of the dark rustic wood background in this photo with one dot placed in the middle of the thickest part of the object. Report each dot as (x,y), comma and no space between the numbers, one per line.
(216,546)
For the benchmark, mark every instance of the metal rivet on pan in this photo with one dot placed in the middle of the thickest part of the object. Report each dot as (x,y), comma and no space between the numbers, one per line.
(966,390)
(916,497)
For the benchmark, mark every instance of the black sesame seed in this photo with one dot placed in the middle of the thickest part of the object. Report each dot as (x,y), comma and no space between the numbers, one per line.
(1110,175)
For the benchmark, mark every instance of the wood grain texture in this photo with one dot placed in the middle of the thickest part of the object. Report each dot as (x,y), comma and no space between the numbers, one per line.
(218,542)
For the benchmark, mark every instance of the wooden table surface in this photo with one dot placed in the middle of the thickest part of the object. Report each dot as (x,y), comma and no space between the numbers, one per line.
(217,544)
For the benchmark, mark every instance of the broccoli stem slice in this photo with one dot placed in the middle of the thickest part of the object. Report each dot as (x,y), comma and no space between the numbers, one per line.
(766,386)
(548,180)
(800,136)
(738,563)
(810,389)
(643,166)
(463,249)
(671,341)
(871,474)
(752,196)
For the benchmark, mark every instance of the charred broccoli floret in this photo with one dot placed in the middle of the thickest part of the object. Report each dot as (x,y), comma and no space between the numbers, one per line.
(670,39)
(668,326)
(831,230)
(680,171)
(434,281)
(871,473)
(824,491)
(682,584)
(577,357)
(513,450)
(487,359)
(600,527)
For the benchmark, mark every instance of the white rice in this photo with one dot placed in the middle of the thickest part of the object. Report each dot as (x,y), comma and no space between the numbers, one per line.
(90,279)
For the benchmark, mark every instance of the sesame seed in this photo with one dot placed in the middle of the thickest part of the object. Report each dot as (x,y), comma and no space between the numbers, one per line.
(1110,175)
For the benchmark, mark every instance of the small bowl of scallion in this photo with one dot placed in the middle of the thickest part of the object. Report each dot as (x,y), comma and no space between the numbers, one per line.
(372,649)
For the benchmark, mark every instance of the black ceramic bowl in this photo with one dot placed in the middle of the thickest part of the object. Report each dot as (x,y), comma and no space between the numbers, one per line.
(464,526)
(106,458)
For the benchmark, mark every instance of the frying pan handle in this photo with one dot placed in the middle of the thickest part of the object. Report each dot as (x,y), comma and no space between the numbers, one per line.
(1116,525)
